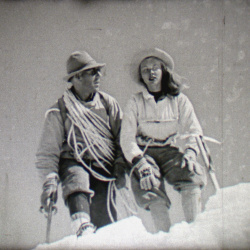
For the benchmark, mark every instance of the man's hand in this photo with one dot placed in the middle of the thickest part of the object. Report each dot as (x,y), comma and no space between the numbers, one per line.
(120,171)
(147,178)
(49,193)
(119,174)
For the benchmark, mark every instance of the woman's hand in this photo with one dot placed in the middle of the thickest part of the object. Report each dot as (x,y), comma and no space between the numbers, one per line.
(147,177)
(189,160)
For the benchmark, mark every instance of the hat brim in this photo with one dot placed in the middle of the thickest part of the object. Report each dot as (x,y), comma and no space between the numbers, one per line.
(93,66)
(158,53)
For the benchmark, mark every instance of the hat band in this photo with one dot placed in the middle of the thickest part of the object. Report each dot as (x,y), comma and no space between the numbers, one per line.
(81,67)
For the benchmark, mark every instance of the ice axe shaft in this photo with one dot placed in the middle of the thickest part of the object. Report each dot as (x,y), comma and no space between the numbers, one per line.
(48,215)
(49,218)
(214,180)
(207,160)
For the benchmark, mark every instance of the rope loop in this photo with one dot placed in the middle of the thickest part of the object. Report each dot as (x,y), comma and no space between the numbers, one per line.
(95,135)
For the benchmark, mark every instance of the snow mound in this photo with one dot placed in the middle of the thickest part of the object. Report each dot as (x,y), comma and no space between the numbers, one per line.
(223,225)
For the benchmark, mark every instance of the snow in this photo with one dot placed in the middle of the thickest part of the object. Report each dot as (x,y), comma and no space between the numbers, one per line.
(225,224)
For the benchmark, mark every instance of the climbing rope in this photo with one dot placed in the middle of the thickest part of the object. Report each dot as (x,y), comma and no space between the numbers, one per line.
(95,133)
(128,203)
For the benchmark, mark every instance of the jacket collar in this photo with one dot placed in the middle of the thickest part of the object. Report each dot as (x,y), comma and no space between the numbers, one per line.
(147,95)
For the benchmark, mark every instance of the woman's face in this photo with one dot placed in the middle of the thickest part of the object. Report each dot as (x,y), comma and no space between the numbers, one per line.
(151,73)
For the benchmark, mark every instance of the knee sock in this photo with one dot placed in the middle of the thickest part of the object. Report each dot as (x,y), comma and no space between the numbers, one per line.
(160,216)
(191,202)
(78,204)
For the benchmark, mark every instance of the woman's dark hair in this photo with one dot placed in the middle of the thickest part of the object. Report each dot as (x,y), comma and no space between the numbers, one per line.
(171,83)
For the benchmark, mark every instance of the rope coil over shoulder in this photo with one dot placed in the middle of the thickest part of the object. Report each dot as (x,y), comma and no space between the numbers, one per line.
(95,134)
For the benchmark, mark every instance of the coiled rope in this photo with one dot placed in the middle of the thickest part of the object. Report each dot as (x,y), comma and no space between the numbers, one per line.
(99,142)
(95,134)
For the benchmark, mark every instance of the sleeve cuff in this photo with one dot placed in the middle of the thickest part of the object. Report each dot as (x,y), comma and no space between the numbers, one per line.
(53,175)
(136,159)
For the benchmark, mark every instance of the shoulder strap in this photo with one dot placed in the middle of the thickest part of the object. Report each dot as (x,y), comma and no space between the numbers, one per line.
(104,102)
(63,112)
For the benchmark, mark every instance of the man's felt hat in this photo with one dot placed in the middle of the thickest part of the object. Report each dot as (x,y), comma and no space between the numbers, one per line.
(155,52)
(80,61)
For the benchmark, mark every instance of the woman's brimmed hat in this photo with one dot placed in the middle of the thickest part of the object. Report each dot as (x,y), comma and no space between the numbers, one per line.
(155,52)
(80,61)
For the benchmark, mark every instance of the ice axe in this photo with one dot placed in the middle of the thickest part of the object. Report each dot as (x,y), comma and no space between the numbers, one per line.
(205,153)
(48,214)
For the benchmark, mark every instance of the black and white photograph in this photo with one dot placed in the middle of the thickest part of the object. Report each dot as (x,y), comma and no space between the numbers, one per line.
(124,124)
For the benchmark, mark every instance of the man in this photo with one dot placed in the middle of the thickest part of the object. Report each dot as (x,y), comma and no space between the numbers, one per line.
(79,145)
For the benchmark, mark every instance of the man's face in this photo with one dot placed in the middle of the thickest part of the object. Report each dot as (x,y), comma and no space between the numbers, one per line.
(88,81)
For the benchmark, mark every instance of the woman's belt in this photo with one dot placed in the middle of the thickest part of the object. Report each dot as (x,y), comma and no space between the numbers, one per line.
(153,142)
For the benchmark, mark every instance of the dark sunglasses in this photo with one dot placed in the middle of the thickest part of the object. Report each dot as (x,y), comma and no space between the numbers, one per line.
(93,71)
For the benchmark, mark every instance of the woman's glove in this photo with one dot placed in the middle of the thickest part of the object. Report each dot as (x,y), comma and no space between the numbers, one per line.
(155,168)
(147,177)
(189,160)
(49,193)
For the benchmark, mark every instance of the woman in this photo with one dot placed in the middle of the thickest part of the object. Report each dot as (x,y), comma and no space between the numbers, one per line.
(152,120)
